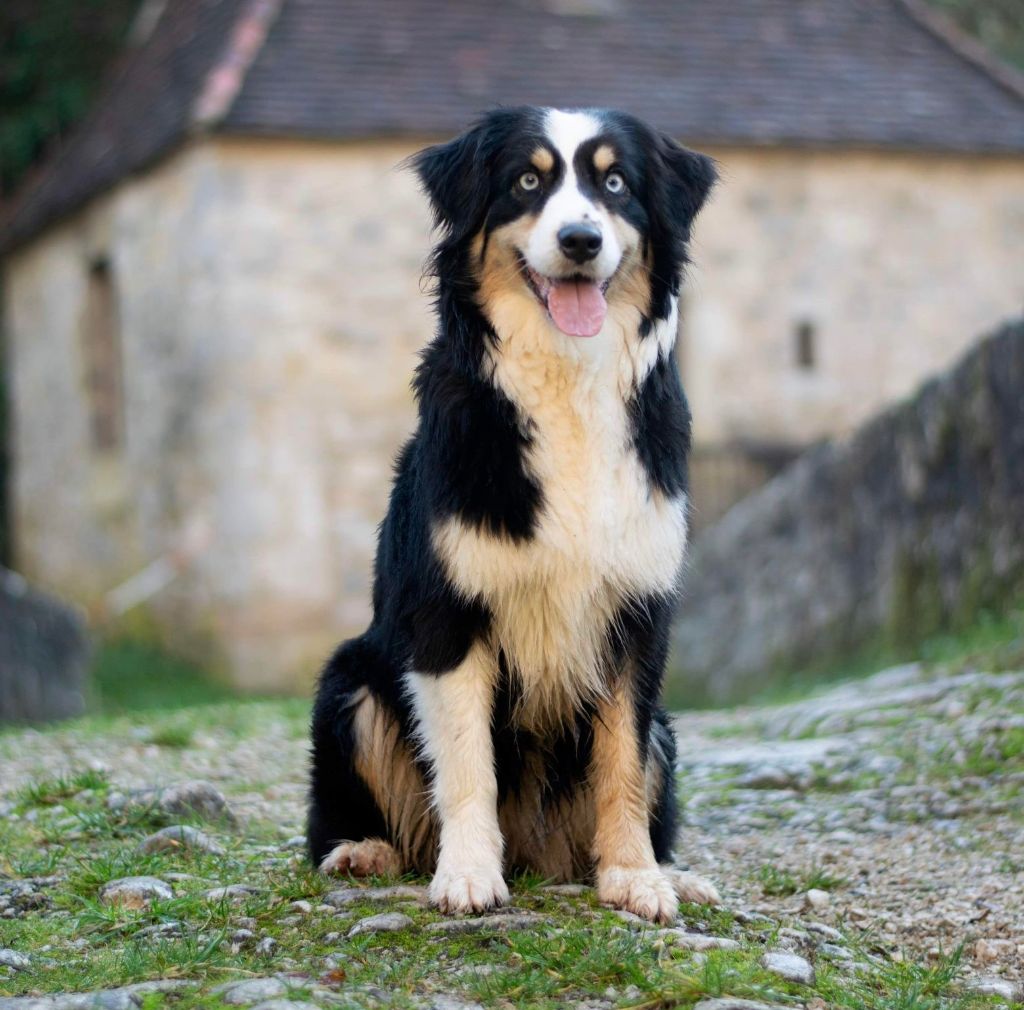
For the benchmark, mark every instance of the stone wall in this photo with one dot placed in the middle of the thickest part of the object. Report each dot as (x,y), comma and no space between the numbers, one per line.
(44,655)
(270,312)
(913,524)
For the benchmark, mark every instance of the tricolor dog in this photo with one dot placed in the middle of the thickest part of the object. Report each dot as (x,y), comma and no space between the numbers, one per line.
(502,710)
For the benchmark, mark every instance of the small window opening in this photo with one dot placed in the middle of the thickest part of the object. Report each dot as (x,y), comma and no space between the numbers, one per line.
(806,351)
(101,346)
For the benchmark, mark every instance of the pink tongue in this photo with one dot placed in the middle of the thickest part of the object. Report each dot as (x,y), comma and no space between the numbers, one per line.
(577,307)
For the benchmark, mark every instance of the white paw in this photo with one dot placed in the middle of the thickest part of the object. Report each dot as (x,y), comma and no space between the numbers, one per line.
(693,887)
(644,892)
(371,857)
(465,890)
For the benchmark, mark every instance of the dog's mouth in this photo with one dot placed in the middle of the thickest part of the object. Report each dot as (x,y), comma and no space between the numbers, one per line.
(575,304)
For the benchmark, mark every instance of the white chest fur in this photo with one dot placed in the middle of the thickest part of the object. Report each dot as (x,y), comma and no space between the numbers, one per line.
(604,535)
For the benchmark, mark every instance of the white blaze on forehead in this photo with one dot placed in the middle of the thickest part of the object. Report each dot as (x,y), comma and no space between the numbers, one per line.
(567,130)
(568,204)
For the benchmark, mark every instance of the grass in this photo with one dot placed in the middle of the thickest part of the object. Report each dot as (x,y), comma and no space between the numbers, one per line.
(135,676)
(63,826)
(581,952)
(777,882)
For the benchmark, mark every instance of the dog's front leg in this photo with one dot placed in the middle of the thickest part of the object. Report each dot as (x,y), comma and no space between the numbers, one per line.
(453,713)
(628,875)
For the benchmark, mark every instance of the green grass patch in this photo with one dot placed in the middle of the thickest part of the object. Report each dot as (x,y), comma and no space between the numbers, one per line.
(133,676)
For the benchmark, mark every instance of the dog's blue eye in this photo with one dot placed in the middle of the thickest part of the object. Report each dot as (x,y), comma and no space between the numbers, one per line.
(529,181)
(615,183)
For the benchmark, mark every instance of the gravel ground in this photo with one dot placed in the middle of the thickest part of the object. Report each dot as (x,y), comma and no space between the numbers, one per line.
(892,808)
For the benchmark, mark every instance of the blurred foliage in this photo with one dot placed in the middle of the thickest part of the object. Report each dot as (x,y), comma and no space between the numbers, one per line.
(998,24)
(52,57)
(131,676)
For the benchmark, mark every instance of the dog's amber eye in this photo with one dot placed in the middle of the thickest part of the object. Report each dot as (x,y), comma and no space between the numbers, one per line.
(529,181)
(615,183)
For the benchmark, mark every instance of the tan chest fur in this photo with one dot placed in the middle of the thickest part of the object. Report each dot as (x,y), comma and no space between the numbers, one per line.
(604,535)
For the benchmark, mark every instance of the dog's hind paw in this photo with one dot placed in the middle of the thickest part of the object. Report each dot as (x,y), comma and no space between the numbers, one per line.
(463,890)
(646,892)
(371,857)
(692,887)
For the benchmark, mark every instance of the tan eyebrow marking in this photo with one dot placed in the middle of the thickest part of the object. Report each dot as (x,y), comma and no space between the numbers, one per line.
(543,159)
(604,158)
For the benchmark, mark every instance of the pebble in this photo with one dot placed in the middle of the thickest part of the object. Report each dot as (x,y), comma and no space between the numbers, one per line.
(695,941)
(135,892)
(989,951)
(266,946)
(791,967)
(295,842)
(1001,987)
(230,892)
(478,924)
(250,991)
(194,798)
(181,836)
(14,959)
(829,932)
(386,922)
(733,1003)
(283,1004)
(835,952)
(817,899)
(128,997)
(399,892)
(567,890)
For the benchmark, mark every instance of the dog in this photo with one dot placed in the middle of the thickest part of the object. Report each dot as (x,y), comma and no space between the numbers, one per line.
(501,712)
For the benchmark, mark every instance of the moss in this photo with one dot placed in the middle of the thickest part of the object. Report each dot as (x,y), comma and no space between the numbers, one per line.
(916,609)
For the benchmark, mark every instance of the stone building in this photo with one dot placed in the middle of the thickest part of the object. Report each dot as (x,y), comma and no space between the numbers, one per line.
(213,298)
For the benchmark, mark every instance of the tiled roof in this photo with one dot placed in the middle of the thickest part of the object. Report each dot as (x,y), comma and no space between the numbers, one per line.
(839,73)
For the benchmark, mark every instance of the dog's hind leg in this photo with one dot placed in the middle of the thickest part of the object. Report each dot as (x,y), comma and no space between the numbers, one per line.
(363,796)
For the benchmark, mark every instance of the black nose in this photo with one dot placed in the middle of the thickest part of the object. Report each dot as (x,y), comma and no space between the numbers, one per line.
(580,242)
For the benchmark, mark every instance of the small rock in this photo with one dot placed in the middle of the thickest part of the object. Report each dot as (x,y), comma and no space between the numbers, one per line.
(181,836)
(266,946)
(822,930)
(196,799)
(835,952)
(283,1004)
(733,1003)
(695,941)
(567,890)
(295,842)
(200,799)
(14,959)
(250,991)
(989,951)
(128,997)
(791,967)
(231,892)
(767,778)
(135,892)
(301,906)
(1001,987)
(478,924)
(817,899)
(170,928)
(399,892)
(386,922)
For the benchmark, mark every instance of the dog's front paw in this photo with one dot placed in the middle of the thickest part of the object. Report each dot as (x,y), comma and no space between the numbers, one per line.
(645,892)
(468,890)
(367,858)
(693,887)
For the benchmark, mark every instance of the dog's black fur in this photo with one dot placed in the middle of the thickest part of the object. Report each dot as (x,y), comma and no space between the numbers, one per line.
(467,458)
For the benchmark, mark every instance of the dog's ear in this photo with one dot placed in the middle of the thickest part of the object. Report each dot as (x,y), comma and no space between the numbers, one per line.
(455,177)
(688,178)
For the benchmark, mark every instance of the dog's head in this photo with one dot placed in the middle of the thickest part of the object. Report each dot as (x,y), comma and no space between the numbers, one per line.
(569,209)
